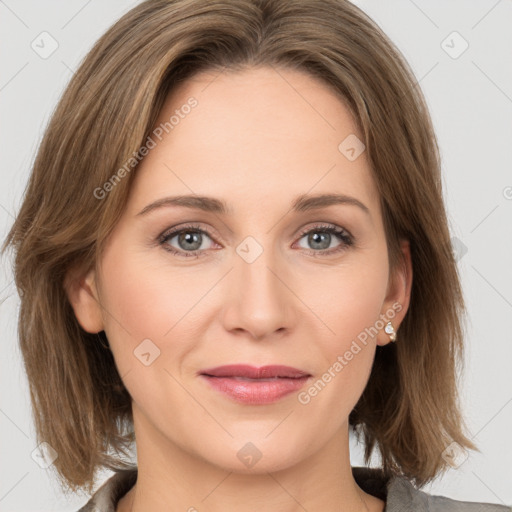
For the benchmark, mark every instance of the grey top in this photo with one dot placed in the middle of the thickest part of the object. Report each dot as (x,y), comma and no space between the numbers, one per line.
(398,493)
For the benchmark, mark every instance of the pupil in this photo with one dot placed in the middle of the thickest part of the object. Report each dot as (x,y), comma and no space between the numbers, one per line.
(319,238)
(191,238)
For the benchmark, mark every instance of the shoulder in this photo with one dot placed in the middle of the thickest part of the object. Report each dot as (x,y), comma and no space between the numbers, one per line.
(105,499)
(400,495)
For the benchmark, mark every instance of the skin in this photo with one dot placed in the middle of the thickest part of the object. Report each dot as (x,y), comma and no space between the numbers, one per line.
(257,139)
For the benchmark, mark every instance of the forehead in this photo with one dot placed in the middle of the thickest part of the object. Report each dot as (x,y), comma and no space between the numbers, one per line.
(258,134)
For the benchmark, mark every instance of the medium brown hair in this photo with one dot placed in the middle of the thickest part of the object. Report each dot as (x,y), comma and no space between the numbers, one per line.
(409,409)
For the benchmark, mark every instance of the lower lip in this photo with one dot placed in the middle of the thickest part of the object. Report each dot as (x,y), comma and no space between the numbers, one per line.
(255,391)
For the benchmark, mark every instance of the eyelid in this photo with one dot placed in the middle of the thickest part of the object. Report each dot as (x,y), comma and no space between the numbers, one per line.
(191,226)
(325,225)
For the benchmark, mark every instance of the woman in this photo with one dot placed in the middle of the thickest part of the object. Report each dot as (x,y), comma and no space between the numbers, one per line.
(238,365)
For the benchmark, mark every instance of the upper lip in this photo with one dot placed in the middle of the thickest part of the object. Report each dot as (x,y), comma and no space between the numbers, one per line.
(252,372)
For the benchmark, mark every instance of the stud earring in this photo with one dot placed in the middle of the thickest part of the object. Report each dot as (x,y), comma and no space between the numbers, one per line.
(389,329)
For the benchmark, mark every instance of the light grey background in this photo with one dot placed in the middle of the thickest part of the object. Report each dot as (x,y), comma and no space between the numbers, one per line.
(470,97)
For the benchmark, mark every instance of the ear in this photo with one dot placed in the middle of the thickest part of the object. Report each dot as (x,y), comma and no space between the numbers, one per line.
(398,295)
(83,295)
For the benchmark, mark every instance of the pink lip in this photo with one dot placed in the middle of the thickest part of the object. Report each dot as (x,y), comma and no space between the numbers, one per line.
(250,385)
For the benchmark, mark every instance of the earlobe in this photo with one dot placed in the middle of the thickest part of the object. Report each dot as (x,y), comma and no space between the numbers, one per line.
(398,297)
(83,296)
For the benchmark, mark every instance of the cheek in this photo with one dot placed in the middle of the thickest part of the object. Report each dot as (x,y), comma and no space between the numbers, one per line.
(147,312)
(140,301)
(348,299)
(349,302)
(146,297)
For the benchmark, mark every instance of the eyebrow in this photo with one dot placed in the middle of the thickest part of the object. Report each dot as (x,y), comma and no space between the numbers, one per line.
(302,203)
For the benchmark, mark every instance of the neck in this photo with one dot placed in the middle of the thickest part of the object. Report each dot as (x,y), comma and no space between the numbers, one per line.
(172,478)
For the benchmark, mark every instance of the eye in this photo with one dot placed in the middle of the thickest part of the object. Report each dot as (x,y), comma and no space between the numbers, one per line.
(321,237)
(190,239)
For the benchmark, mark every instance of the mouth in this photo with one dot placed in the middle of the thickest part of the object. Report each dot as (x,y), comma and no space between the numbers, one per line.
(250,385)
(251,372)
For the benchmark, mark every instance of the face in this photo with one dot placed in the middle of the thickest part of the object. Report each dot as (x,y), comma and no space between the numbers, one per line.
(274,278)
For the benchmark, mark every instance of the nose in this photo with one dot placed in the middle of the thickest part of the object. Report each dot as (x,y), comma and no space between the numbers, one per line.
(259,301)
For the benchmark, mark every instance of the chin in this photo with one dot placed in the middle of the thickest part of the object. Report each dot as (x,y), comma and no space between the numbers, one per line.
(254,454)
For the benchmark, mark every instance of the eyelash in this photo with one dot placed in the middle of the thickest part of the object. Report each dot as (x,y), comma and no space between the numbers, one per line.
(343,235)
